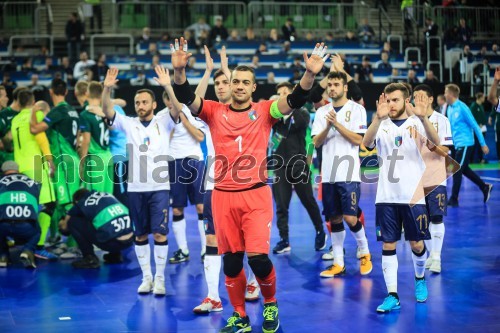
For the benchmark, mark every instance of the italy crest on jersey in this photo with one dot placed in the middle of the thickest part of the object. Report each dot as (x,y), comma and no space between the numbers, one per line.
(398,141)
(252,115)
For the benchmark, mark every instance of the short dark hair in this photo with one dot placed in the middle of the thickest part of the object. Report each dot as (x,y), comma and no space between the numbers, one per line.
(25,98)
(425,88)
(218,73)
(284,84)
(338,75)
(79,194)
(479,95)
(15,93)
(59,87)
(147,91)
(409,87)
(243,68)
(392,87)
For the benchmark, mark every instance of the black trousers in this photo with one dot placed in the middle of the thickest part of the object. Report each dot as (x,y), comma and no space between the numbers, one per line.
(476,151)
(462,156)
(86,236)
(298,178)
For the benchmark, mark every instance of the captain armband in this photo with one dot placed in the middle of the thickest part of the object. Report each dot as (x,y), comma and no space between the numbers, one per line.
(274,111)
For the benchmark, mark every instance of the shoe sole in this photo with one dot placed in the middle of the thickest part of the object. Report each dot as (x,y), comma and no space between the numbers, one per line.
(286,249)
(271,331)
(435,271)
(421,300)
(27,263)
(332,276)
(398,307)
(366,273)
(46,258)
(144,292)
(490,187)
(178,261)
(162,293)
(323,257)
(201,312)
(253,299)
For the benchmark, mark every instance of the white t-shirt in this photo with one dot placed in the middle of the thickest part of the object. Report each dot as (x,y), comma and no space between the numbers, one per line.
(402,167)
(80,67)
(148,149)
(435,171)
(183,144)
(210,171)
(340,157)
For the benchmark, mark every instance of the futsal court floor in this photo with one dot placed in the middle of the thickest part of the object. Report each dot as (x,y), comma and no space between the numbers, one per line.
(465,297)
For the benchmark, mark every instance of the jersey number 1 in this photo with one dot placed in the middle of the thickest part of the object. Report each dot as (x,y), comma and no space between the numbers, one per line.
(238,139)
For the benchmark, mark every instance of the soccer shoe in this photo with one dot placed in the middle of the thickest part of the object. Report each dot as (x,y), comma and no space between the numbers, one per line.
(435,266)
(45,255)
(365,265)
(113,258)
(428,262)
(282,246)
(237,324)
(72,253)
(89,261)
(332,270)
(252,292)
(178,257)
(59,249)
(320,240)
(486,192)
(390,303)
(146,286)
(421,292)
(208,305)
(4,260)
(452,203)
(159,286)
(28,259)
(328,255)
(271,321)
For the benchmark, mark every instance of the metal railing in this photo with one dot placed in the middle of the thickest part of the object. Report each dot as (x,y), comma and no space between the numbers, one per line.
(34,38)
(19,16)
(177,15)
(382,18)
(307,15)
(413,49)
(111,37)
(484,21)
(399,38)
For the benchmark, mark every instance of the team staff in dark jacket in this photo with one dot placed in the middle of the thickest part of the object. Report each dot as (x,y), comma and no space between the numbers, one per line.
(289,161)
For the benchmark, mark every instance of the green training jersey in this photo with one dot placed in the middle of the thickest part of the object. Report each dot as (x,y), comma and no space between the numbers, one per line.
(99,132)
(6,116)
(63,121)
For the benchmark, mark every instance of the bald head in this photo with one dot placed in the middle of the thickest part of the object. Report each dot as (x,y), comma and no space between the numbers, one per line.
(42,106)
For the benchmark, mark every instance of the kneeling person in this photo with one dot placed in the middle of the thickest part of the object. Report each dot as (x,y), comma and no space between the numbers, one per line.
(98,218)
(18,213)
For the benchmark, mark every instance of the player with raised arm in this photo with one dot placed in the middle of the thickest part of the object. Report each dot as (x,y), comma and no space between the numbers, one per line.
(338,128)
(148,184)
(241,201)
(400,193)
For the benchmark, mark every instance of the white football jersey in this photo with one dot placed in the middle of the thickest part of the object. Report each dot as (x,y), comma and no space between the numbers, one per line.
(435,172)
(210,170)
(148,151)
(340,157)
(402,167)
(182,144)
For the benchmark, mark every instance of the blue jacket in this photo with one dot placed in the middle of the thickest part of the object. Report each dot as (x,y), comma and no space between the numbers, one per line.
(463,125)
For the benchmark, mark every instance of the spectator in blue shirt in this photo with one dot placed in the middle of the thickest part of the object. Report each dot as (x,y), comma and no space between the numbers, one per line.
(463,127)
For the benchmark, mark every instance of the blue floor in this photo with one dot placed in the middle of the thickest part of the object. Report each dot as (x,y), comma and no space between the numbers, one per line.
(465,297)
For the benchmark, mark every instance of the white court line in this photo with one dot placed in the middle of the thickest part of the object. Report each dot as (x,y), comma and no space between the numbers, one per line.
(491,178)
